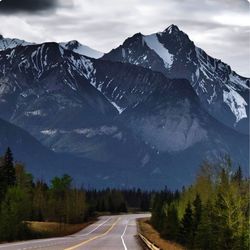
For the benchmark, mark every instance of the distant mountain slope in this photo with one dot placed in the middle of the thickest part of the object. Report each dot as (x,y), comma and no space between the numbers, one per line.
(222,92)
(37,158)
(42,162)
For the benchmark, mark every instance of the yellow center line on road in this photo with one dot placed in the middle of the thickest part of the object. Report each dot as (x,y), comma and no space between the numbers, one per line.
(94,238)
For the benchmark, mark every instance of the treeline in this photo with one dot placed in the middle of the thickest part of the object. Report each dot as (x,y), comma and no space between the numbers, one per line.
(212,214)
(22,199)
(119,201)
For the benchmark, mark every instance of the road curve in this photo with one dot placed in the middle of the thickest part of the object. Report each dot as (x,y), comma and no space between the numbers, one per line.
(116,232)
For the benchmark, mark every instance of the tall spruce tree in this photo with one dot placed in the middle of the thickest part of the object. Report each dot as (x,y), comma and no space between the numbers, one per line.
(186,228)
(7,173)
(158,212)
(197,212)
(206,236)
(9,170)
(238,176)
(171,223)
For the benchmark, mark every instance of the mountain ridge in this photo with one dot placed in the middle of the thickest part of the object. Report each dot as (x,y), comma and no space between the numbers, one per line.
(117,118)
(74,45)
(221,90)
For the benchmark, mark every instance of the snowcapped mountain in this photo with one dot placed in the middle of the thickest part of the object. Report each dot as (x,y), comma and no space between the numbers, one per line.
(119,118)
(75,46)
(81,49)
(9,43)
(222,92)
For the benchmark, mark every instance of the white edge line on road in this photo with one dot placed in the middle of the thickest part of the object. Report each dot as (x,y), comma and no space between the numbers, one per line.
(28,242)
(123,242)
(46,240)
(95,228)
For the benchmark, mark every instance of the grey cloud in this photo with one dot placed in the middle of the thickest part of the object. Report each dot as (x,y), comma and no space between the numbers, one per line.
(13,6)
(218,27)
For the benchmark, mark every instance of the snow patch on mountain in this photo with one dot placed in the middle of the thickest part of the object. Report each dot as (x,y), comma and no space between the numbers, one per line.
(49,131)
(83,66)
(119,109)
(87,132)
(99,88)
(35,113)
(236,103)
(81,49)
(235,79)
(153,43)
(91,132)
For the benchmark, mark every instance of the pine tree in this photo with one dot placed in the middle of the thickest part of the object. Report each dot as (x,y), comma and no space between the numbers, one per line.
(171,223)
(186,228)
(7,173)
(197,212)
(9,168)
(157,212)
(238,176)
(206,237)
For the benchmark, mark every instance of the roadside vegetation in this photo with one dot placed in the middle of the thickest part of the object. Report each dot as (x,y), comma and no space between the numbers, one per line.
(211,214)
(32,208)
(54,229)
(147,230)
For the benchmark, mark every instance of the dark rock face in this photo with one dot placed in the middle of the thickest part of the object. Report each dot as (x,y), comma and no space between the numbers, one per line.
(222,92)
(113,123)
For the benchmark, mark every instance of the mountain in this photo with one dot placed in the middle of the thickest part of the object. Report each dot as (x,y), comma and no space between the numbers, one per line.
(75,46)
(81,49)
(49,92)
(27,149)
(42,162)
(222,92)
(10,43)
(115,124)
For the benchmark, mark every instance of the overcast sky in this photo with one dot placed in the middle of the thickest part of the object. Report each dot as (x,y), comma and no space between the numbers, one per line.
(220,27)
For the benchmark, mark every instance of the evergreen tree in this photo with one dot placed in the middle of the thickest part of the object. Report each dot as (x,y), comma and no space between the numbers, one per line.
(14,210)
(186,228)
(238,176)
(7,173)
(9,170)
(197,212)
(171,223)
(206,237)
(158,212)
(40,200)
(222,228)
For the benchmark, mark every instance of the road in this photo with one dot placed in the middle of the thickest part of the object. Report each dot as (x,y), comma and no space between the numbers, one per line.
(116,232)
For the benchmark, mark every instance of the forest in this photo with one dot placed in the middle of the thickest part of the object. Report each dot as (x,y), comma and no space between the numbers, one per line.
(24,199)
(211,214)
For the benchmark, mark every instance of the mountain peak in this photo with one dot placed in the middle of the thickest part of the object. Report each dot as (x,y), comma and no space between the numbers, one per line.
(172,28)
(74,44)
(81,49)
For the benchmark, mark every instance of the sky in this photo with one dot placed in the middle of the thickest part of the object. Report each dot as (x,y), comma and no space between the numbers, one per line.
(220,27)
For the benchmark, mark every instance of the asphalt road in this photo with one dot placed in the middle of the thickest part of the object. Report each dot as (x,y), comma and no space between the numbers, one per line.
(108,233)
